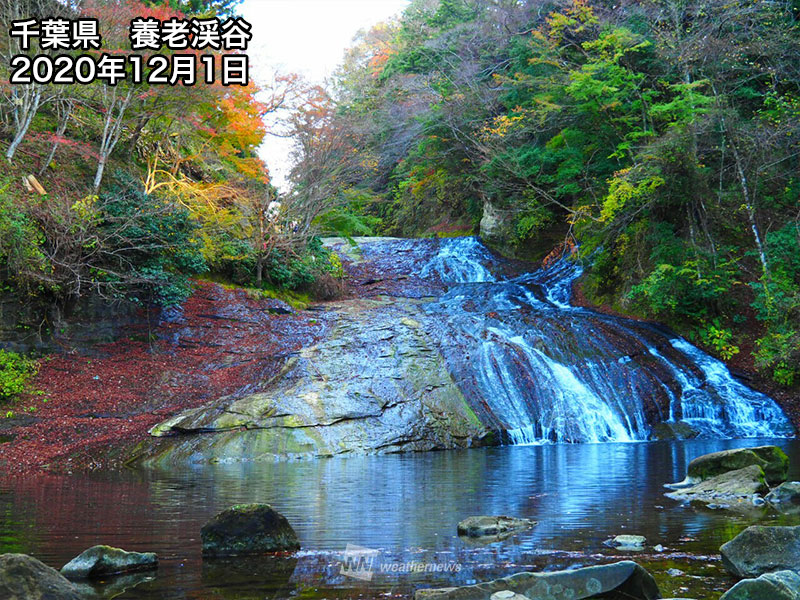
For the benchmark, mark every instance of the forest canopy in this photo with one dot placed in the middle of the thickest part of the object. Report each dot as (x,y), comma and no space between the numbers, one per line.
(131,189)
(662,137)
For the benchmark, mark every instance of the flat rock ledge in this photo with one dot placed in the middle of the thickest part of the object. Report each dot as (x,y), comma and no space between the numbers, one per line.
(375,383)
(102,561)
(247,529)
(501,526)
(739,486)
(624,580)
(23,577)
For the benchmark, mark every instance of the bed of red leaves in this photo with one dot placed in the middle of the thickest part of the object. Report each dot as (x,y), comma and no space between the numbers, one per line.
(220,342)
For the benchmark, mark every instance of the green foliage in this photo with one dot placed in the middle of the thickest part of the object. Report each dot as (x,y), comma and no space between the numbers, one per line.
(299,273)
(681,293)
(720,339)
(777,305)
(152,240)
(20,238)
(16,372)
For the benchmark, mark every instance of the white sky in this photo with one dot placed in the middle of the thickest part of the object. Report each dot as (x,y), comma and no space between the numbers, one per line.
(308,37)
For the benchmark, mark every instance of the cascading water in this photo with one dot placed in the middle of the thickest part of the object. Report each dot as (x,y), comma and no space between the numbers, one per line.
(547,371)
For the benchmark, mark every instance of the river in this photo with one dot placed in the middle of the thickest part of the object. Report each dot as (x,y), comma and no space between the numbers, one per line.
(406,506)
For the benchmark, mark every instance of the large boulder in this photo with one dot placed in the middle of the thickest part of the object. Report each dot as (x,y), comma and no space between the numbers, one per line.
(729,487)
(618,581)
(771,459)
(782,585)
(786,494)
(476,527)
(248,529)
(761,549)
(101,561)
(22,577)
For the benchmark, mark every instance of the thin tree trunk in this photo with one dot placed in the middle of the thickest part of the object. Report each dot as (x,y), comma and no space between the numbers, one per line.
(98,176)
(112,130)
(750,209)
(62,128)
(23,115)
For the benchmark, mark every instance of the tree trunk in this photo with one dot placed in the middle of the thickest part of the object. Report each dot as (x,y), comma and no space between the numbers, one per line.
(98,176)
(62,128)
(750,209)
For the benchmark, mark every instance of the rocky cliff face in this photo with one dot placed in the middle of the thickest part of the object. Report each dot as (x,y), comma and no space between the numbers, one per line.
(27,326)
(375,383)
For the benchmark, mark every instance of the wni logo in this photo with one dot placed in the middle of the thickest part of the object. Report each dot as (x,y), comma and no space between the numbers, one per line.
(358,562)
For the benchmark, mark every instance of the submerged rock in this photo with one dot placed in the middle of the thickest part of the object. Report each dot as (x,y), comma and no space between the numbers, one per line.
(23,577)
(263,576)
(781,585)
(771,459)
(111,587)
(507,595)
(737,486)
(477,527)
(248,529)
(677,430)
(786,494)
(100,561)
(619,581)
(761,549)
(628,542)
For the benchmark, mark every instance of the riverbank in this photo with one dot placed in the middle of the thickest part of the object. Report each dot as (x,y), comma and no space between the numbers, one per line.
(219,342)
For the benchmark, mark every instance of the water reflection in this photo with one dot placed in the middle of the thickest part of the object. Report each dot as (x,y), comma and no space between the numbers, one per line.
(407,506)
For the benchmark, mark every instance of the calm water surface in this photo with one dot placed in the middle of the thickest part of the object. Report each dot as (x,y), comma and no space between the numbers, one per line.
(405,506)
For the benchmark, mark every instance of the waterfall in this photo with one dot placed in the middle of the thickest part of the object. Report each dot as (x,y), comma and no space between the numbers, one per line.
(460,260)
(547,371)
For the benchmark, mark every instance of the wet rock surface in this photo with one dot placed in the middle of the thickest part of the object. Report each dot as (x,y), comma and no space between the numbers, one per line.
(248,529)
(737,486)
(771,459)
(628,542)
(443,345)
(375,383)
(23,577)
(483,526)
(781,585)
(102,561)
(785,495)
(619,581)
(734,479)
(762,549)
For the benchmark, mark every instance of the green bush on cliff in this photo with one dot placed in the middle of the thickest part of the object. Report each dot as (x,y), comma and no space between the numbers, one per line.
(16,372)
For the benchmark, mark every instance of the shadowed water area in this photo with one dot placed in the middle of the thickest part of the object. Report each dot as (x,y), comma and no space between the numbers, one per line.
(533,368)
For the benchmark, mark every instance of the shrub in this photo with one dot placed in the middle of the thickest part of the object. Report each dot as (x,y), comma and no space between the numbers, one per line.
(16,372)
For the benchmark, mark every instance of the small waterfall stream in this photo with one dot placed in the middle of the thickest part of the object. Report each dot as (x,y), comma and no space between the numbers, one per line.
(544,370)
